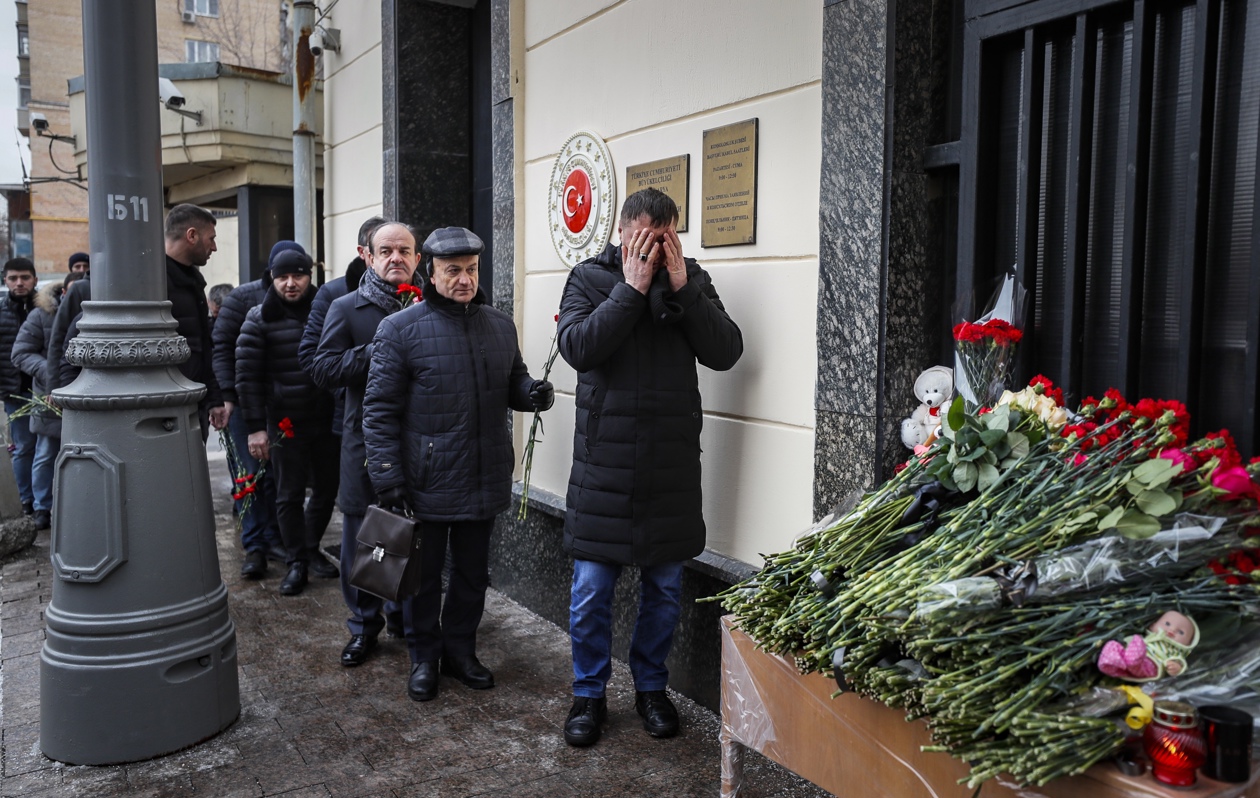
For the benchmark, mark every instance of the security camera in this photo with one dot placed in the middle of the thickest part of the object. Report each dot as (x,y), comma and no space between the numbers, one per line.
(39,122)
(171,96)
(317,44)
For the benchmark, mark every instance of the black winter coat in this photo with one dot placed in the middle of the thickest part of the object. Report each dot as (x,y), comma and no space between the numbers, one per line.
(328,292)
(634,492)
(71,306)
(341,361)
(186,289)
(30,354)
(227,327)
(435,421)
(269,381)
(13,313)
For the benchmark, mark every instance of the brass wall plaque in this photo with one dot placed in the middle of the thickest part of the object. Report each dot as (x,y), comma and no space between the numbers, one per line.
(670,175)
(729,185)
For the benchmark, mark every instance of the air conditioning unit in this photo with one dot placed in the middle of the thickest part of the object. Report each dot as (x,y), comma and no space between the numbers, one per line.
(189,16)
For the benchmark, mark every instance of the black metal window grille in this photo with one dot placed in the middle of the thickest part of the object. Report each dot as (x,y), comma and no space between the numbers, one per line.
(1108,152)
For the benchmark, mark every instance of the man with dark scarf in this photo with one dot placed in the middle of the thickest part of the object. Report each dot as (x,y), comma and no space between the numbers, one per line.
(341,361)
(279,402)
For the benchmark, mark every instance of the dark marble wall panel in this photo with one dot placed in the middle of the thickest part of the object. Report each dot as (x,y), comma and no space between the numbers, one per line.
(843,457)
(427,138)
(880,313)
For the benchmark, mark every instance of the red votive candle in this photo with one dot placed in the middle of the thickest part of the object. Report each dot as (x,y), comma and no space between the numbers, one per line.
(1174,743)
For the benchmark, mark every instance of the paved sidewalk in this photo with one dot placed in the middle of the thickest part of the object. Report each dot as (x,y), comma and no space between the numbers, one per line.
(309,727)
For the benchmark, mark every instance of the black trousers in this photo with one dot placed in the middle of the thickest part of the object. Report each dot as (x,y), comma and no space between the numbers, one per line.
(436,628)
(311,456)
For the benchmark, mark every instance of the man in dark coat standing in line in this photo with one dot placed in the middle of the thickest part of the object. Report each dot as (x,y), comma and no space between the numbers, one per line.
(190,234)
(444,374)
(341,361)
(279,401)
(15,385)
(634,322)
(260,531)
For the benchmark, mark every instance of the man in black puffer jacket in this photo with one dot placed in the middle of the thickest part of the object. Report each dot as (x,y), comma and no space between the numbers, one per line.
(260,531)
(435,421)
(634,322)
(271,388)
(15,385)
(341,361)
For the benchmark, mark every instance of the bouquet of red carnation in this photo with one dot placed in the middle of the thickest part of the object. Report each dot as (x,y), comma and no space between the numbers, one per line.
(984,349)
(409,295)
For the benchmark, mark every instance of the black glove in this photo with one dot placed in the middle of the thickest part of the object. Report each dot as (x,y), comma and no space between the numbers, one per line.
(393,499)
(542,395)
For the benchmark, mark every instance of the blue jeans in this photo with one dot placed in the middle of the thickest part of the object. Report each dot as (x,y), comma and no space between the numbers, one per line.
(46,448)
(590,625)
(22,441)
(259,528)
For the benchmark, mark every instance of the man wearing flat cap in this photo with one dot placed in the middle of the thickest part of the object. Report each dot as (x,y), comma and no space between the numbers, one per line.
(280,402)
(444,373)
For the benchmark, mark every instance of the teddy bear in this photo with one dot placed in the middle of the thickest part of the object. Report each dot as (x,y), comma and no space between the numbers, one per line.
(933,388)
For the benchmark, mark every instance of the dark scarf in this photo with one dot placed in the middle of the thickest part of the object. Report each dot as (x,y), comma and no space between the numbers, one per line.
(275,308)
(379,293)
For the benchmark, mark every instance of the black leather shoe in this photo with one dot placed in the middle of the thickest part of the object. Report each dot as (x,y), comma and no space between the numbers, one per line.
(422,685)
(357,650)
(255,565)
(294,580)
(277,552)
(28,508)
(660,718)
(43,519)
(323,568)
(469,671)
(585,721)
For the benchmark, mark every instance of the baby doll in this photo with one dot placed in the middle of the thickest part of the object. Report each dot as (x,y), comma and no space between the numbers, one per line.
(1162,651)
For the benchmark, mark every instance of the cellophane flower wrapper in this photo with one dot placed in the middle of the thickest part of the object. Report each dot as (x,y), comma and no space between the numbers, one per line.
(985,345)
(1095,565)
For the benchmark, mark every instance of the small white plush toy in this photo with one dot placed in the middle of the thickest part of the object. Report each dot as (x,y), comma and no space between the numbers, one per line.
(933,388)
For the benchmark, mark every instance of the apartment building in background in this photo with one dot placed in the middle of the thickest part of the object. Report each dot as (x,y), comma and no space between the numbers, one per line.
(245,33)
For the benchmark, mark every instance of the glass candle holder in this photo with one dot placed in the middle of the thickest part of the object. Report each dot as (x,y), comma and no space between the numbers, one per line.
(1174,743)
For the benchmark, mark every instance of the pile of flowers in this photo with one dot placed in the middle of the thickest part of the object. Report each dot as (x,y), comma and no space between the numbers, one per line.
(977,587)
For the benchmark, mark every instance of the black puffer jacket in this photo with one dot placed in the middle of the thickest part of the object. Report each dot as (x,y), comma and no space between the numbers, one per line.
(186,289)
(269,381)
(30,354)
(443,376)
(227,327)
(13,313)
(341,361)
(634,491)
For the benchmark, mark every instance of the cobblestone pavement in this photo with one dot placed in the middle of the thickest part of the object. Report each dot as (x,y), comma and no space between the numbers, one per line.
(309,727)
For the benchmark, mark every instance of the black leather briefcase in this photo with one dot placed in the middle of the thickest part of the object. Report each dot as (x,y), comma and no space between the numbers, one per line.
(387,555)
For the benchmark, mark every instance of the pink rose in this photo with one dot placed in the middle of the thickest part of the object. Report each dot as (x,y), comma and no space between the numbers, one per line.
(1236,483)
(1180,458)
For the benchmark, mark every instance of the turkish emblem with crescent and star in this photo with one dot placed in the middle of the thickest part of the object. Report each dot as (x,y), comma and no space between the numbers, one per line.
(582,193)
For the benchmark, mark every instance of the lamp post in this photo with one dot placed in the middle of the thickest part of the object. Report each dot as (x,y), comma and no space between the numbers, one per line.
(140,654)
(304,216)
